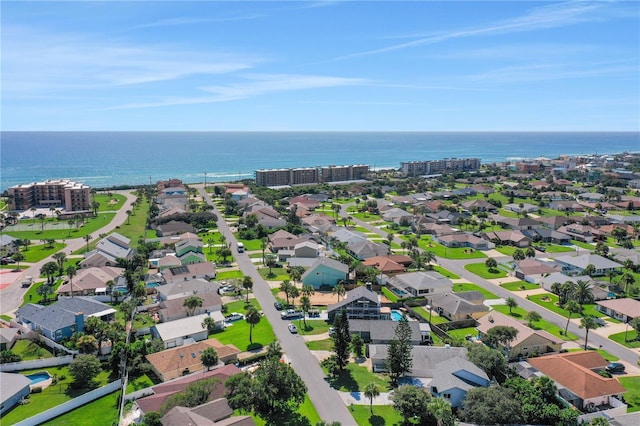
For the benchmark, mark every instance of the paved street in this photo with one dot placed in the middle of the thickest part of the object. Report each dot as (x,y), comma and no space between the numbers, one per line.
(327,401)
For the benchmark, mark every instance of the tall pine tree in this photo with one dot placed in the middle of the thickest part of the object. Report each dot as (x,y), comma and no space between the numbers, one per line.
(342,339)
(399,360)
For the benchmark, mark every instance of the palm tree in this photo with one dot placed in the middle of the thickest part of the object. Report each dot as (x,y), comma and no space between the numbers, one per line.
(87,238)
(627,281)
(530,252)
(18,257)
(511,303)
(371,391)
(209,358)
(263,244)
(71,272)
(293,293)
(582,293)
(305,304)
(252,316)
(566,291)
(44,290)
(338,290)
(573,307)
(307,290)
(440,409)
(208,323)
(128,213)
(588,323)
(247,284)
(491,264)
(518,255)
(192,303)
(110,285)
(295,273)
(49,269)
(285,287)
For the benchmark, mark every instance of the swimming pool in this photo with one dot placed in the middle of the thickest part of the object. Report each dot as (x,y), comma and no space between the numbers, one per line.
(38,377)
(153,285)
(396,315)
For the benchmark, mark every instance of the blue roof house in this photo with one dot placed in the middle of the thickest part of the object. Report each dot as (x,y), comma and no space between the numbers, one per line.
(60,320)
(325,272)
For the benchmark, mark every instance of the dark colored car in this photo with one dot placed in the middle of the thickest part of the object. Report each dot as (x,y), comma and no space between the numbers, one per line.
(615,367)
(540,248)
(278,306)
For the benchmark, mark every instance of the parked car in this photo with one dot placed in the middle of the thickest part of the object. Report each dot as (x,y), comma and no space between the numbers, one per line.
(332,331)
(540,248)
(292,328)
(278,306)
(615,367)
(291,314)
(235,316)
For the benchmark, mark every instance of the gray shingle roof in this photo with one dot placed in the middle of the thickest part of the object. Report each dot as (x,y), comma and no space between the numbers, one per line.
(61,314)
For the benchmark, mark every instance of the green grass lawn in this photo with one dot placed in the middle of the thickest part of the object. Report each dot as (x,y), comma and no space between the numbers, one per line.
(14,266)
(632,397)
(49,397)
(29,350)
(238,333)
(383,415)
(445,272)
(32,296)
(582,245)
(313,327)
(251,245)
(604,354)
(278,274)
(632,340)
(481,270)
(134,226)
(506,250)
(227,275)
(91,225)
(556,248)
(461,333)
(519,286)
(439,250)
(458,288)
(354,379)
(519,314)
(320,345)
(435,318)
(550,301)
(38,252)
(105,202)
(101,412)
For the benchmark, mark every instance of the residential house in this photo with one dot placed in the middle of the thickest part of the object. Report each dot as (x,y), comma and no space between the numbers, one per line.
(455,307)
(162,391)
(554,222)
(396,215)
(190,251)
(512,238)
(464,240)
(521,208)
(389,265)
(360,303)
(282,240)
(448,217)
(519,223)
(583,233)
(381,332)
(454,378)
(177,289)
(436,229)
(91,281)
(60,320)
(108,251)
(174,309)
(621,309)
(165,262)
(319,224)
(202,271)
(577,264)
(527,342)
(479,206)
(183,360)
(8,337)
(212,413)
(268,218)
(529,269)
(547,235)
(325,272)
(578,384)
(15,387)
(566,205)
(185,330)
(364,249)
(174,227)
(306,249)
(421,283)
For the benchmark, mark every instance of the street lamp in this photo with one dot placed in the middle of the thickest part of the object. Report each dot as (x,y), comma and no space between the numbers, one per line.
(430,311)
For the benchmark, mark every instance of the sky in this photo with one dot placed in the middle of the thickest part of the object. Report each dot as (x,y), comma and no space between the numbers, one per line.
(320,65)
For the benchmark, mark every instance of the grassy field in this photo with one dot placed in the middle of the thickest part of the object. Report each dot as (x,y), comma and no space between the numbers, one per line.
(445,272)
(582,245)
(519,286)
(29,350)
(49,397)
(106,204)
(461,333)
(38,252)
(314,327)
(550,301)
(238,333)
(632,340)
(435,318)
(91,225)
(632,397)
(134,226)
(383,415)
(481,270)
(519,314)
(354,379)
(458,288)
(439,250)
(101,412)
(227,275)
(278,274)
(32,296)
(320,345)
(506,250)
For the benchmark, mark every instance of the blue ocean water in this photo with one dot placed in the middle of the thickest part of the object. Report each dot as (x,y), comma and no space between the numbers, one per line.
(103,159)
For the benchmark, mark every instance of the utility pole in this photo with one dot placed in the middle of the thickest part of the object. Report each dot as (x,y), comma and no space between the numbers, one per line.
(205,181)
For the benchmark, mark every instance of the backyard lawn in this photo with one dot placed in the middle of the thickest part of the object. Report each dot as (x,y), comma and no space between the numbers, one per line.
(383,415)
(354,379)
(435,318)
(101,412)
(30,350)
(632,397)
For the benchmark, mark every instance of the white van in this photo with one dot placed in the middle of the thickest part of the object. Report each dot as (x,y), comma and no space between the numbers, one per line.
(240,248)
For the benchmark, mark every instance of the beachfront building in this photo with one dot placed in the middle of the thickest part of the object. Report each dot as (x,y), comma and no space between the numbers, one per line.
(447,165)
(310,175)
(61,193)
